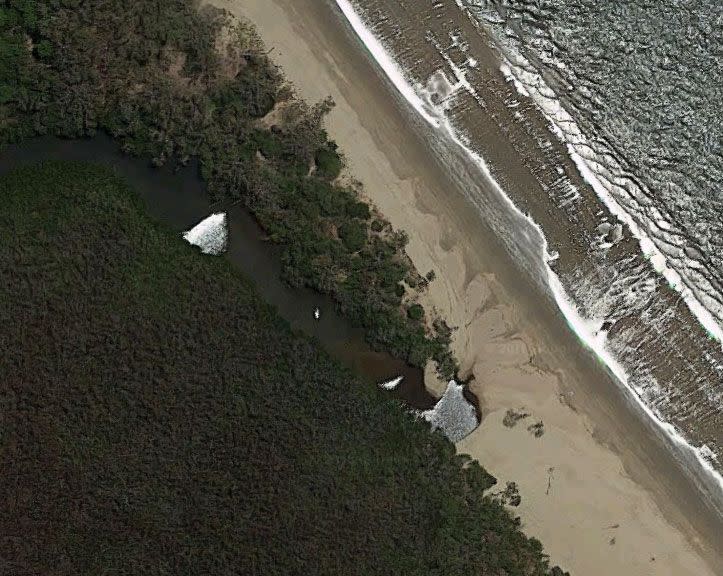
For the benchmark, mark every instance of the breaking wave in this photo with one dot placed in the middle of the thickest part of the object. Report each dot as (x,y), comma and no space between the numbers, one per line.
(612,303)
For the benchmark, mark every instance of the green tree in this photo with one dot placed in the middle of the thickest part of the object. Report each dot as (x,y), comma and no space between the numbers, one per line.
(354,235)
(415,312)
(328,162)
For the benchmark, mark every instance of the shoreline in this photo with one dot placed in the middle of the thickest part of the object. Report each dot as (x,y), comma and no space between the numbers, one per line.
(476,114)
(513,343)
(529,81)
(652,252)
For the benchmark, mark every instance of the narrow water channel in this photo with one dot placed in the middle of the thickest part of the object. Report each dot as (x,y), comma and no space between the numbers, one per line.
(178,199)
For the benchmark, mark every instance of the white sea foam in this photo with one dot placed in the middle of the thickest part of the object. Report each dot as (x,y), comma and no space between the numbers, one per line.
(589,331)
(210,235)
(385,61)
(532,85)
(576,142)
(452,413)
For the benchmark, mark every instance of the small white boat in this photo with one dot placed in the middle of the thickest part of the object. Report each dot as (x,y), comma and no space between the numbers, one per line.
(317,314)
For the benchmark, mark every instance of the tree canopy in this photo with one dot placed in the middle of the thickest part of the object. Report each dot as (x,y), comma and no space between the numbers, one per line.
(172,82)
(159,418)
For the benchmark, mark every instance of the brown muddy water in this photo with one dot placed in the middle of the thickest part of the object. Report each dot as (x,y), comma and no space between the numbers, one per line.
(178,199)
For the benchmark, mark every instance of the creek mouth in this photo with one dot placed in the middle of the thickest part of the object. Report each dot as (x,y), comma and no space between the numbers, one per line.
(176,196)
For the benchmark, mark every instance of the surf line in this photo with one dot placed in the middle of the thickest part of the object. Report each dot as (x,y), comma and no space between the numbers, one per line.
(532,86)
(585,331)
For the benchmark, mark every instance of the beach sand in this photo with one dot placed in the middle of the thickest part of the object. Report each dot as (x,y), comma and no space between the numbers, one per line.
(598,487)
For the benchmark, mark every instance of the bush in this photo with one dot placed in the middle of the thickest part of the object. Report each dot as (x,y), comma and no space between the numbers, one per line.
(328,163)
(358,210)
(354,235)
(268,144)
(415,312)
(331,201)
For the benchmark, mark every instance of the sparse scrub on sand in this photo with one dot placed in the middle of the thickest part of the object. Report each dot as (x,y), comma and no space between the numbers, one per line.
(537,429)
(510,496)
(512,417)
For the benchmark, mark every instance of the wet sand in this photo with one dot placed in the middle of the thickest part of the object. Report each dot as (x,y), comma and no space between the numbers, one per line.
(599,488)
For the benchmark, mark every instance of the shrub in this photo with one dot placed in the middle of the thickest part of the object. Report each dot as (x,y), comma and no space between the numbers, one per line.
(328,162)
(415,312)
(268,144)
(354,235)
(358,210)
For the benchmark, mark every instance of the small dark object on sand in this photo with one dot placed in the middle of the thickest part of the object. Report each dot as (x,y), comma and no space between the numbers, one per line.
(538,429)
(512,418)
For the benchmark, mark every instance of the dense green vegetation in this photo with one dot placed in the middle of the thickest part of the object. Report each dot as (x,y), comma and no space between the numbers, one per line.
(159,418)
(171,83)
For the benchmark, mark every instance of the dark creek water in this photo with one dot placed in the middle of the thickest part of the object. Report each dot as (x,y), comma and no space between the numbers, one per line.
(178,199)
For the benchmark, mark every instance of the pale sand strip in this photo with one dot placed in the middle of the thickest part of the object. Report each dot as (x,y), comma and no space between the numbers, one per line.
(593,519)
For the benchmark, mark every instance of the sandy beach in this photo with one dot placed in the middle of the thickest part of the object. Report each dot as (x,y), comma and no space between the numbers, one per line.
(598,487)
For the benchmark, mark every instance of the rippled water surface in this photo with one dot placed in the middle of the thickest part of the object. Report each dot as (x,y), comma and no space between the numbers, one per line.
(627,201)
(644,80)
